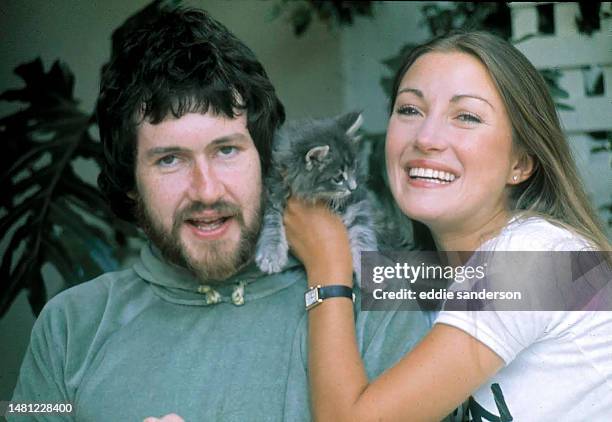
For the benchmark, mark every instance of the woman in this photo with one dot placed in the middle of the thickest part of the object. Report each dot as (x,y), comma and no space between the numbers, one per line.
(474,152)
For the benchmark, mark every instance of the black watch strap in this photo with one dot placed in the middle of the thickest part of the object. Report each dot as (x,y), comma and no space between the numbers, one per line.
(326,292)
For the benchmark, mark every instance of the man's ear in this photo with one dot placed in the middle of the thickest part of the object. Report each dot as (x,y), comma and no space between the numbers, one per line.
(522,168)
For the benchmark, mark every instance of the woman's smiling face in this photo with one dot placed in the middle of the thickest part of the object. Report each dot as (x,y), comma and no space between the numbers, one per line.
(449,143)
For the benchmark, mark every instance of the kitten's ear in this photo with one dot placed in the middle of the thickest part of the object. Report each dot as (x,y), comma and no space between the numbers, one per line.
(316,154)
(351,122)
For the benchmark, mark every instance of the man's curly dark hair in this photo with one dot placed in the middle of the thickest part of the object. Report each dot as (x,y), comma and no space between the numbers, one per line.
(180,62)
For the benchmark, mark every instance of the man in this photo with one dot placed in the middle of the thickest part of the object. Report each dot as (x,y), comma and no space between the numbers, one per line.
(186,116)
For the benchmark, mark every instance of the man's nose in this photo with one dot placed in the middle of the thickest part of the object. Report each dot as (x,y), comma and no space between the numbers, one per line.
(430,136)
(205,186)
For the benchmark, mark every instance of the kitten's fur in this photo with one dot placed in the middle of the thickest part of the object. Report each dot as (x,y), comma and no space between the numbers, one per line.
(316,160)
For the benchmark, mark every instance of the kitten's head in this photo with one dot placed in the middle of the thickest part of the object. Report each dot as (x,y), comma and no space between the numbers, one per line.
(320,157)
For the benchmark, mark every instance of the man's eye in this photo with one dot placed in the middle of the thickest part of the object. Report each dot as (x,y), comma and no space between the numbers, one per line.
(469,118)
(168,161)
(408,110)
(228,151)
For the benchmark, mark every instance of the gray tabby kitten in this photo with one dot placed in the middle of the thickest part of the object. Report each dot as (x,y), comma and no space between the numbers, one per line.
(316,160)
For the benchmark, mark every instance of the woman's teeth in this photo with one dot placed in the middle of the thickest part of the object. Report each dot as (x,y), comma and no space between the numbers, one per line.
(435,176)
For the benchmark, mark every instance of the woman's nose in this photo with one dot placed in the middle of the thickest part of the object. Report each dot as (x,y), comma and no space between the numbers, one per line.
(430,136)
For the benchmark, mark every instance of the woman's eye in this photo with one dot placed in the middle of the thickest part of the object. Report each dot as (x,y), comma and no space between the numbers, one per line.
(469,118)
(228,151)
(408,110)
(168,161)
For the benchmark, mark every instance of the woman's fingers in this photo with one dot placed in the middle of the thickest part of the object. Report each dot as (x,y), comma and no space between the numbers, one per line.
(317,236)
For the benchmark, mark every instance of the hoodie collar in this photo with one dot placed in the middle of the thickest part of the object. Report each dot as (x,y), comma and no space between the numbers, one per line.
(176,284)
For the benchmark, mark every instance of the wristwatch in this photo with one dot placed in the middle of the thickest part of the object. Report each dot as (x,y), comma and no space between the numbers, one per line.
(318,294)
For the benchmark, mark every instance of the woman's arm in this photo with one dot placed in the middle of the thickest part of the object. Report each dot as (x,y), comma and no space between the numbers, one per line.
(427,384)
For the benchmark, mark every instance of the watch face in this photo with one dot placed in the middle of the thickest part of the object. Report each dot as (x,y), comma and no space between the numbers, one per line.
(311,297)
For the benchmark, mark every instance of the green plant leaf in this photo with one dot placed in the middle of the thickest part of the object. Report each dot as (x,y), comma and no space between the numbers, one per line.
(56,254)
(302,13)
(301,17)
(40,185)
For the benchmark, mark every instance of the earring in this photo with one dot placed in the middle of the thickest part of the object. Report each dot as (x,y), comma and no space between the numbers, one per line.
(515,177)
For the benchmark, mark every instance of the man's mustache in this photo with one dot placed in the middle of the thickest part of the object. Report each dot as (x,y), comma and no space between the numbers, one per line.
(221,207)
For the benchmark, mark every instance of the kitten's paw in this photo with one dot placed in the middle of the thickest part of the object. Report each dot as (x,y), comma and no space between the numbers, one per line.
(272,259)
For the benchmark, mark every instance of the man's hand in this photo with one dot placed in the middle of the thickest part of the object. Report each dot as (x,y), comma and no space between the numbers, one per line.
(320,240)
(172,417)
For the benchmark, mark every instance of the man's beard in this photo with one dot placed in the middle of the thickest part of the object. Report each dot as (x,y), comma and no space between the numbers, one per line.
(215,263)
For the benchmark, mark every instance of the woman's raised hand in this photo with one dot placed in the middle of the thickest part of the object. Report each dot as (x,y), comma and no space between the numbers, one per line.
(320,240)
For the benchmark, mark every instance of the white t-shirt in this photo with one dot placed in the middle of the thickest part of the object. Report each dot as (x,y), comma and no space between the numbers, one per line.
(558,365)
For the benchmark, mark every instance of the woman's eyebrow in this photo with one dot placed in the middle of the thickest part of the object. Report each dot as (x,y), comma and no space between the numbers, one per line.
(455,98)
(461,96)
(415,91)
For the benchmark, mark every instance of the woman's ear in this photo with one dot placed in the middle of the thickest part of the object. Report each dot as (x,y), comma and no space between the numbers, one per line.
(522,168)
(132,195)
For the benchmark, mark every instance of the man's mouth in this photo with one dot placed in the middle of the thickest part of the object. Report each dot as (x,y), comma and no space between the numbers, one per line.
(208,224)
(431,175)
